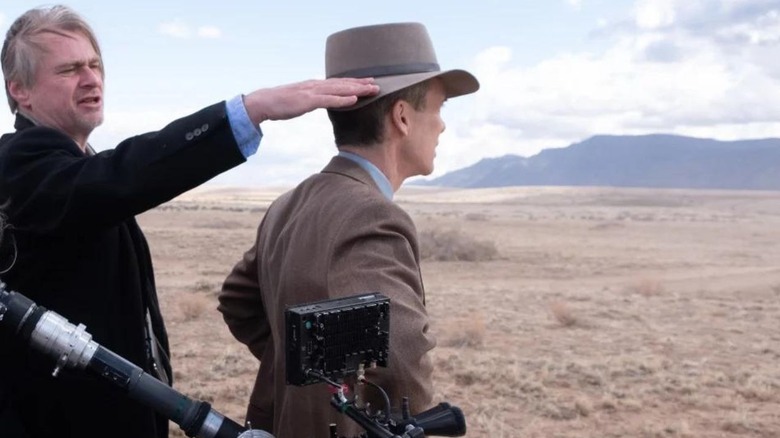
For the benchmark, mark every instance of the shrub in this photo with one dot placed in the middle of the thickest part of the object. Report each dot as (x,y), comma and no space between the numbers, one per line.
(563,313)
(470,333)
(452,245)
(647,287)
(192,307)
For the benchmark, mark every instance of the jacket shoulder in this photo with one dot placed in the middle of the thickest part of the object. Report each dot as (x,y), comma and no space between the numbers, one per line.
(36,138)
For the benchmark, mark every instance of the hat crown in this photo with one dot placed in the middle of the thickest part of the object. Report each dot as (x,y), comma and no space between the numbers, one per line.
(380,50)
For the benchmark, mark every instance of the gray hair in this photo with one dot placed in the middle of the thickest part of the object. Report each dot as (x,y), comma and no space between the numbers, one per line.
(21,53)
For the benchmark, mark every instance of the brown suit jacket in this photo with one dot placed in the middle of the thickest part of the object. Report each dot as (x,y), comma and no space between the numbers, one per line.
(334,235)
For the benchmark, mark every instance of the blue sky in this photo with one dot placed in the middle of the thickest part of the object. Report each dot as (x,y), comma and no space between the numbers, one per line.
(552,72)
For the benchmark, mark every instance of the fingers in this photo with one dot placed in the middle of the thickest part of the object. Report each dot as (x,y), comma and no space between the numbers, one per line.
(339,101)
(345,87)
(343,92)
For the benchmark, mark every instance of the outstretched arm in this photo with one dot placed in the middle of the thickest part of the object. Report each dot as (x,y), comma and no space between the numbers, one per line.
(289,101)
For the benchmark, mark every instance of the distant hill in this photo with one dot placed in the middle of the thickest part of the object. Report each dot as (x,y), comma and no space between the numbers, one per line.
(663,161)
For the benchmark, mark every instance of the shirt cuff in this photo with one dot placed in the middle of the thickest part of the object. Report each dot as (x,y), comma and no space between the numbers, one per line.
(246,133)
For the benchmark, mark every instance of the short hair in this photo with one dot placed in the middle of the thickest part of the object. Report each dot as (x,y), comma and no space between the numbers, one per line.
(21,53)
(365,126)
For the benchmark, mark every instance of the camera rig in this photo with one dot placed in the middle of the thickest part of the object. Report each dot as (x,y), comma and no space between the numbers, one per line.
(326,342)
(332,339)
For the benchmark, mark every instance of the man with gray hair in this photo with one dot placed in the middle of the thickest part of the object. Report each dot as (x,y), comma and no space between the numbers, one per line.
(76,247)
(339,233)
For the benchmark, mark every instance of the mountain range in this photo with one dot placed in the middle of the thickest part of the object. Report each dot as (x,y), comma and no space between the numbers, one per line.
(655,161)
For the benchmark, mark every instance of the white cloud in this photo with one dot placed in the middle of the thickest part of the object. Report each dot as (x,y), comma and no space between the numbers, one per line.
(653,14)
(175,28)
(765,29)
(209,32)
(290,151)
(703,68)
(576,4)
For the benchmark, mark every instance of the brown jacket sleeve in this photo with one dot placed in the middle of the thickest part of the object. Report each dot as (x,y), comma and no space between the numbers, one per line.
(376,250)
(241,305)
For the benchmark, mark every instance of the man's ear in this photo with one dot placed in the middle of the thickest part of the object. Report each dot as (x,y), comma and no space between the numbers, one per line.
(400,116)
(19,93)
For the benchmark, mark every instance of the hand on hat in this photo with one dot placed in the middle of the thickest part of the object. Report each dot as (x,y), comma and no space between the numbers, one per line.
(289,101)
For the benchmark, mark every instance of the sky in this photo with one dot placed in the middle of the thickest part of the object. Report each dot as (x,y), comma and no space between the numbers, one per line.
(552,72)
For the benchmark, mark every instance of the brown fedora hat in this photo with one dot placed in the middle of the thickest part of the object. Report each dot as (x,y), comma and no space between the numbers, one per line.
(396,55)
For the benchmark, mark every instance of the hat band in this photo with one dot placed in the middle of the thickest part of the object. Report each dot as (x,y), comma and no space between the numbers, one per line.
(389,70)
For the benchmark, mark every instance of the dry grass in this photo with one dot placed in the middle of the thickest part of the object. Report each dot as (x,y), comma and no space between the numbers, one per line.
(678,294)
(453,245)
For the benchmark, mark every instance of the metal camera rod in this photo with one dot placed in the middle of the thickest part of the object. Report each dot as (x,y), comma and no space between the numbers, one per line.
(73,348)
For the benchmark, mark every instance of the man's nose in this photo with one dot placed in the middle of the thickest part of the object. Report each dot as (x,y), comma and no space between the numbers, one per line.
(90,77)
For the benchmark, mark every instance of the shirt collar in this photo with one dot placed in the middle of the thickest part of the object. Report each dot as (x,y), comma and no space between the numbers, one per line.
(379,178)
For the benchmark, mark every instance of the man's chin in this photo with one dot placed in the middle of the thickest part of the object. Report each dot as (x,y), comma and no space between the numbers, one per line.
(92,123)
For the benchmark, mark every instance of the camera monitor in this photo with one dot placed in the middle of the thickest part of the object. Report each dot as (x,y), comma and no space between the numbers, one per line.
(333,338)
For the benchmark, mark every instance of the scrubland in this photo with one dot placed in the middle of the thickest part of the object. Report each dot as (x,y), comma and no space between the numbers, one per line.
(559,312)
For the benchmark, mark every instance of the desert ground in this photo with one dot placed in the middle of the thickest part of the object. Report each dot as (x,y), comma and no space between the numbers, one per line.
(559,312)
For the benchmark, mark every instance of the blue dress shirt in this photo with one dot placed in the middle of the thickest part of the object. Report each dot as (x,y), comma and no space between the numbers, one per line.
(246,133)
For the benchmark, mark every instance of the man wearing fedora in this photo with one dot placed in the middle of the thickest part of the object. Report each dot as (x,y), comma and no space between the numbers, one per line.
(339,233)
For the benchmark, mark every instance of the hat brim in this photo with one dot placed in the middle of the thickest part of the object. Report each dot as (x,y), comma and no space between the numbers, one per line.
(456,83)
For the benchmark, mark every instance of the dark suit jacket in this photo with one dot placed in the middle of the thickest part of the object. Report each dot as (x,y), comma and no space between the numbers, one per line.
(82,255)
(334,235)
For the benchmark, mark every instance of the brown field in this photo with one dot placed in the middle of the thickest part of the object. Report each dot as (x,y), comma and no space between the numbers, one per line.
(577,312)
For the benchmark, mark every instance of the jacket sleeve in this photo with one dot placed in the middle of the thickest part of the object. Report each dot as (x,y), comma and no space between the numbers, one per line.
(242,307)
(48,185)
(376,250)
